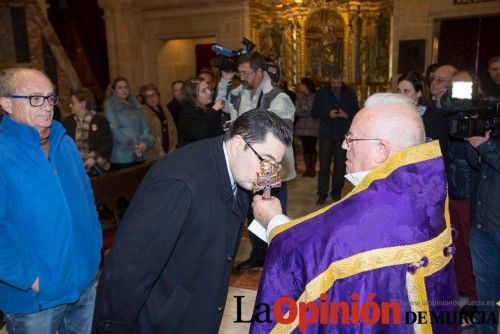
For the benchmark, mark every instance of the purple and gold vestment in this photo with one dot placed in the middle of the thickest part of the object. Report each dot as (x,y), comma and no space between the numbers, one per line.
(390,236)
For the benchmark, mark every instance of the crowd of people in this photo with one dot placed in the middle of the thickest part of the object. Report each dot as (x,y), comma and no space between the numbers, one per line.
(210,141)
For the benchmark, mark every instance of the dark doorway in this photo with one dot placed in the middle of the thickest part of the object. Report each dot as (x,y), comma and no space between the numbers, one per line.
(469,43)
(204,56)
(81,30)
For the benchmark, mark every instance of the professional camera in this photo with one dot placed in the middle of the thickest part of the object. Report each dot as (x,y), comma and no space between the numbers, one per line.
(227,59)
(468,116)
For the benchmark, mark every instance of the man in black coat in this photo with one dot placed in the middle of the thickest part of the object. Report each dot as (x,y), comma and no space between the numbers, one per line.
(168,270)
(335,105)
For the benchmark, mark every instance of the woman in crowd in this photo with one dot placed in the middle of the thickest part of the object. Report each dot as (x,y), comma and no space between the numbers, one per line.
(307,127)
(413,85)
(131,137)
(197,119)
(90,131)
(161,123)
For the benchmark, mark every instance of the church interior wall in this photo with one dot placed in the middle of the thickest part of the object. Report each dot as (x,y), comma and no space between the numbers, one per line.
(166,32)
(420,20)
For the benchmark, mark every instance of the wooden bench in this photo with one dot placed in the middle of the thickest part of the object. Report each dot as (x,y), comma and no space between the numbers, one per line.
(112,193)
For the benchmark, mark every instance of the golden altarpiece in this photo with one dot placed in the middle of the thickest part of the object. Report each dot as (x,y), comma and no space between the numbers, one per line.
(312,37)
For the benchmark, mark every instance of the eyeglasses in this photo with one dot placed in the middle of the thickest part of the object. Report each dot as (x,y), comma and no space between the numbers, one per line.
(38,100)
(245,74)
(348,140)
(261,159)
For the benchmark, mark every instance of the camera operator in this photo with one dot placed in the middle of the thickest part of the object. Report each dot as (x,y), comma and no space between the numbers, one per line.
(459,175)
(484,155)
(257,91)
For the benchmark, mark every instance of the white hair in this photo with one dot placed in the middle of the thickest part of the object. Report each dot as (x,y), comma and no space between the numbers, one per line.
(385,99)
(394,117)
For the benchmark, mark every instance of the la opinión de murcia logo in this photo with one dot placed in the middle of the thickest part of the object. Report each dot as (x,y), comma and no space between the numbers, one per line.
(287,310)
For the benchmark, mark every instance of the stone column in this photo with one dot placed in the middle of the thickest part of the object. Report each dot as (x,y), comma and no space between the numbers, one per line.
(123,19)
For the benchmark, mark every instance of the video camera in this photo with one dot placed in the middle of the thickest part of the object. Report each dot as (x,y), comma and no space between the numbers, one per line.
(468,116)
(227,59)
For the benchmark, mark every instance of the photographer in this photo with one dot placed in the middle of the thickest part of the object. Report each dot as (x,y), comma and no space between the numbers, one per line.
(256,91)
(484,155)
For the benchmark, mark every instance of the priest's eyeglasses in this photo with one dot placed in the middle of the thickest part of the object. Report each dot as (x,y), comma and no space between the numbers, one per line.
(261,159)
(38,100)
(348,140)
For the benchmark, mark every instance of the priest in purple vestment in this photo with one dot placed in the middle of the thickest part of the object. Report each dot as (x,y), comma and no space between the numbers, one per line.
(380,259)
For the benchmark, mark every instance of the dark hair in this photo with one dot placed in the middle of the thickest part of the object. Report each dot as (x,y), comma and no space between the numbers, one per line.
(176,82)
(255,124)
(120,78)
(205,71)
(146,87)
(190,91)
(84,94)
(493,60)
(418,82)
(428,72)
(255,59)
(336,73)
(309,83)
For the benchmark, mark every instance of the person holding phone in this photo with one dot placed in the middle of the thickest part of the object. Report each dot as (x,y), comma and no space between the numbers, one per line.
(335,105)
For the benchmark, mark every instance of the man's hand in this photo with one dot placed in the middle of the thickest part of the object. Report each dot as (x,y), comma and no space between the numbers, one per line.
(265,209)
(89,163)
(35,286)
(227,75)
(478,140)
(342,113)
(218,105)
(334,113)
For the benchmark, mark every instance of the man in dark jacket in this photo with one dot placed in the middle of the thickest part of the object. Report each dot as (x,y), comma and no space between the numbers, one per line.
(335,105)
(168,270)
(175,105)
(485,233)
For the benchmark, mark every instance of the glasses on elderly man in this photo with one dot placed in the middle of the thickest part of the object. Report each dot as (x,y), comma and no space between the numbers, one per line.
(349,140)
(275,164)
(38,100)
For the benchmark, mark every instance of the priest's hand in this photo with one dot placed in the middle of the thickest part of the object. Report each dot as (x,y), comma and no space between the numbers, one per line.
(265,209)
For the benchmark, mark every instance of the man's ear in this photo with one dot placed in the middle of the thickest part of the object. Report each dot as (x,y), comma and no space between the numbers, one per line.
(6,104)
(383,151)
(234,144)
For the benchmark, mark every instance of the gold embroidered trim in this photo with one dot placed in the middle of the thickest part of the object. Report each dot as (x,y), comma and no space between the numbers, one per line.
(380,258)
(402,158)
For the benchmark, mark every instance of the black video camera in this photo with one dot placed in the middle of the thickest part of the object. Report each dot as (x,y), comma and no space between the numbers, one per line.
(227,59)
(467,116)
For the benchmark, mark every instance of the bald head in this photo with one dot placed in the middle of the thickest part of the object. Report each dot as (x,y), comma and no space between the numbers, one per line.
(12,78)
(390,122)
(394,118)
(441,80)
(30,87)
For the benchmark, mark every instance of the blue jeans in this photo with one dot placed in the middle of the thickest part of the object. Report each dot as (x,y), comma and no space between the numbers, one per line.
(74,318)
(485,253)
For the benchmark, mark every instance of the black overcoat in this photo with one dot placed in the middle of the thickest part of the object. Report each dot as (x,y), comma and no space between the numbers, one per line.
(168,270)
